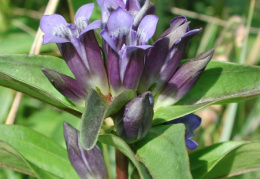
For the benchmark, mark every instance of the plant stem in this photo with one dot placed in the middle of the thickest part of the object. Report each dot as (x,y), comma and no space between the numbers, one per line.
(35,50)
(121,165)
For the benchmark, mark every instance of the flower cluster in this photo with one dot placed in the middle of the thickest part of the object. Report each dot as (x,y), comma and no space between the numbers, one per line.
(129,62)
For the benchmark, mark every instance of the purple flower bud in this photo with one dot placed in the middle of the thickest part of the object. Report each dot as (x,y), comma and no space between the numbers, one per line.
(183,80)
(88,164)
(135,120)
(67,86)
(78,46)
(191,123)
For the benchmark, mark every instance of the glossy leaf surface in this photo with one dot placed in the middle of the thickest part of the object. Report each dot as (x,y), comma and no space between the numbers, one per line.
(220,83)
(163,152)
(23,73)
(225,159)
(38,150)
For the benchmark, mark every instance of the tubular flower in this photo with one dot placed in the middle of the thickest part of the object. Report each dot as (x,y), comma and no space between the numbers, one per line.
(78,46)
(88,164)
(127,48)
(163,59)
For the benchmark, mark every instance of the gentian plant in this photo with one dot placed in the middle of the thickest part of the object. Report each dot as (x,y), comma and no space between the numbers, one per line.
(130,93)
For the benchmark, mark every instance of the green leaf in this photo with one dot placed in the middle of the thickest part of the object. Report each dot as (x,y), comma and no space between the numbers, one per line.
(6,98)
(23,73)
(172,112)
(119,102)
(225,159)
(224,82)
(42,174)
(163,152)
(10,158)
(39,151)
(92,120)
(118,143)
(220,83)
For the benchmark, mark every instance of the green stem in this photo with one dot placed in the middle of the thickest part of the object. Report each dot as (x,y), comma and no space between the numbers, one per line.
(106,158)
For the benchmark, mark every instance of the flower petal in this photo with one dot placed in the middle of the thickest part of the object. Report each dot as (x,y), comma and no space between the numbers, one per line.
(191,123)
(107,6)
(156,58)
(84,13)
(191,144)
(114,73)
(76,65)
(55,25)
(92,26)
(88,164)
(105,35)
(147,8)
(147,28)
(134,121)
(53,39)
(133,7)
(67,86)
(49,22)
(173,59)
(183,80)
(119,23)
(94,58)
(135,57)
(174,24)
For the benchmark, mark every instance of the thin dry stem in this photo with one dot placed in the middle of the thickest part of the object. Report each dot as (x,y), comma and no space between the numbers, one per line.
(35,50)
(206,18)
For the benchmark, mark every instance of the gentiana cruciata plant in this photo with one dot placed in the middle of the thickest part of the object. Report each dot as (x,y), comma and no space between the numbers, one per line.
(126,61)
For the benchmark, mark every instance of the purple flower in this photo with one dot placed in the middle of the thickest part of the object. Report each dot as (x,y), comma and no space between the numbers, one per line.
(137,8)
(126,48)
(163,59)
(183,80)
(191,123)
(134,120)
(78,46)
(88,164)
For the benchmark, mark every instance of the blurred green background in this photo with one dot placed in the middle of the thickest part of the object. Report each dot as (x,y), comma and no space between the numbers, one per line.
(227,27)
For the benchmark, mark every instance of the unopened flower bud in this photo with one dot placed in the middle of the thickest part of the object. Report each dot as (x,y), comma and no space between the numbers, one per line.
(88,164)
(135,120)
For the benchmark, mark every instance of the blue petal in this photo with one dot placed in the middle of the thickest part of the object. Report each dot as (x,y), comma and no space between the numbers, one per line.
(147,28)
(55,25)
(191,123)
(84,13)
(191,144)
(94,25)
(105,35)
(120,22)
